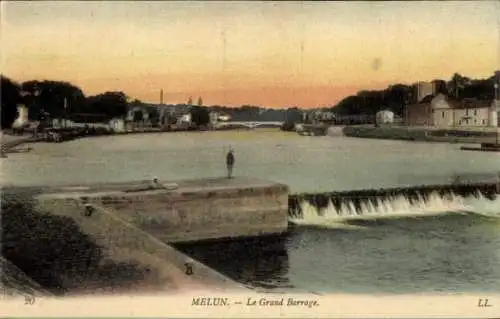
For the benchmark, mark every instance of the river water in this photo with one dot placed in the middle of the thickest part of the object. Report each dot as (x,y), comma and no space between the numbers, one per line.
(306,164)
(438,245)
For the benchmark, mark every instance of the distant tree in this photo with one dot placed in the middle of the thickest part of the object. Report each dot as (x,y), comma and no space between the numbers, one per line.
(370,102)
(170,119)
(200,101)
(138,116)
(293,115)
(135,102)
(190,101)
(395,97)
(200,116)
(496,81)
(11,97)
(440,86)
(51,96)
(480,89)
(154,116)
(111,104)
(456,85)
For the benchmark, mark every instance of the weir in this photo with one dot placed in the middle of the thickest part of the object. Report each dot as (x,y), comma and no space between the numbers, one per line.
(392,201)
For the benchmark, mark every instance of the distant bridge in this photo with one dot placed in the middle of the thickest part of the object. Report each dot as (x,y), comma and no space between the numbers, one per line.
(249,124)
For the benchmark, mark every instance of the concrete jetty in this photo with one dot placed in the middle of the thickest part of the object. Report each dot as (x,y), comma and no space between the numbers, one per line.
(112,238)
(15,283)
(184,211)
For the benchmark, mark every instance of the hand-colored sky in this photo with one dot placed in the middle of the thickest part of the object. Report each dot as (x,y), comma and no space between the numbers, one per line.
(261,53)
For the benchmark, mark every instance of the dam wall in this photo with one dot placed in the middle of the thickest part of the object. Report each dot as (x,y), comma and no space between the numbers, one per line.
(108,238)
(114,238)
(15,283)
(424,134)
(186,211)
(70,252)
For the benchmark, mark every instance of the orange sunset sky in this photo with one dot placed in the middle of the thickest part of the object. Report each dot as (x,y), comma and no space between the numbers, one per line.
(272,54)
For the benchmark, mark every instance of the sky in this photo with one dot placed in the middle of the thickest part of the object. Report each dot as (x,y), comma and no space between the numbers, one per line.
(273,54)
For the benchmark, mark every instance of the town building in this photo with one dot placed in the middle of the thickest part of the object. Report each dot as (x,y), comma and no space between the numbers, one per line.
(22,116)
(216,117)
(441,111)
(384,117)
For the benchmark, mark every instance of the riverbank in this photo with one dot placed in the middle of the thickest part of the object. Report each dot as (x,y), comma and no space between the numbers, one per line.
(475,135)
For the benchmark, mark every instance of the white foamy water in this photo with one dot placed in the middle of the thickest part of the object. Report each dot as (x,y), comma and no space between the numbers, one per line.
(399,206)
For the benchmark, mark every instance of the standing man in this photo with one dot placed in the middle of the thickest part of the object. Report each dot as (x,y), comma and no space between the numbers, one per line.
(230,163)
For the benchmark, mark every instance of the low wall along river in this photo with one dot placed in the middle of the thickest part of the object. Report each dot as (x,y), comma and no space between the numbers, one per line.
(424,134)
(193,210)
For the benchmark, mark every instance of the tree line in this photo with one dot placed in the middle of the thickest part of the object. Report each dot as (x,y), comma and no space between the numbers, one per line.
(396,96)
(57,99)
(63,99)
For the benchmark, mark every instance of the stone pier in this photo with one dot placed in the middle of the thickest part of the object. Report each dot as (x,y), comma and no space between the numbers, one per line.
(184,211)
(15,283)
(108,238)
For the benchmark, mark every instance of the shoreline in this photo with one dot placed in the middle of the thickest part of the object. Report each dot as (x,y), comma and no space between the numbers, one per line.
(476,135)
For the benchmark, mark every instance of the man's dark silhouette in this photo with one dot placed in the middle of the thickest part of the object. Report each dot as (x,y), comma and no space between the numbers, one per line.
(230,163)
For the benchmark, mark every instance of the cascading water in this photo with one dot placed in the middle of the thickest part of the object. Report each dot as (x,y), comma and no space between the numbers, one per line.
(399,206)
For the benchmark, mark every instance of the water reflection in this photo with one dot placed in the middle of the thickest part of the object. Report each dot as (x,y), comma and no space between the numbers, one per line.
(259,262)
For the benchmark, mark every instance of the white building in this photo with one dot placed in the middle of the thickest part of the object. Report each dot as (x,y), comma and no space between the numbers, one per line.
(466,113)
(22,117)
(384,117)
(185,118)
(223,117)
(117,125)
(216,117)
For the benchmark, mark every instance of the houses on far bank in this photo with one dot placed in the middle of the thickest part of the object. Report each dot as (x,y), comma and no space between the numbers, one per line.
(442,111)
(432,106)
(179,116)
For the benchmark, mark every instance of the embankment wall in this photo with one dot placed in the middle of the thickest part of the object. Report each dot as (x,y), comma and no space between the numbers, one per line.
(68,252)
(196,212)
(14,282)
(450,135)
